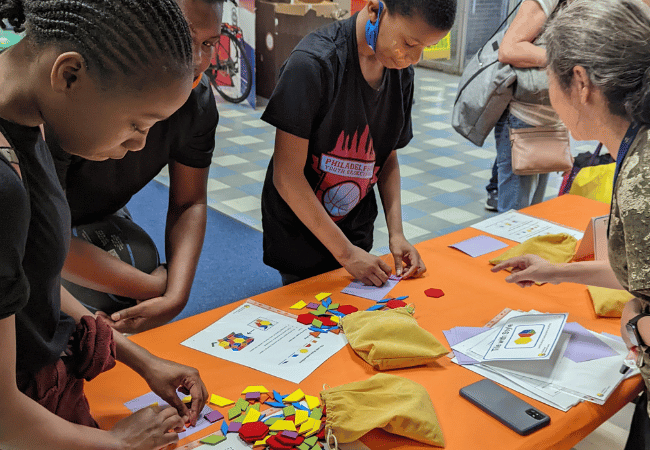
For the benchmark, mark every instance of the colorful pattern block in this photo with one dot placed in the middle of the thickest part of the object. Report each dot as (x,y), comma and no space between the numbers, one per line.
(235,342)
(220,401)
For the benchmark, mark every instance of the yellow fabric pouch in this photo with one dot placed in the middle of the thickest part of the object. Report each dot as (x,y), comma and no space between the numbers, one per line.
(609,302)
(398,405)
(391,339)
(556,248)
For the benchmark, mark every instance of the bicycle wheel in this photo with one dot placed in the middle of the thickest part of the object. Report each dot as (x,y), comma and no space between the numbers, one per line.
(231,59)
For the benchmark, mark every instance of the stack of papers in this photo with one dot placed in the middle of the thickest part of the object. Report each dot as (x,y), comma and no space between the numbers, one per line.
(541,356)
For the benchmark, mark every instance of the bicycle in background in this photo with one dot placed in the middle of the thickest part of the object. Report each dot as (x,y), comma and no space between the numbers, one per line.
(230,59)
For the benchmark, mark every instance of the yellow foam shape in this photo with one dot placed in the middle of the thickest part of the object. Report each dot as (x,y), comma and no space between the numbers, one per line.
(262,442)
(299,305)
(251,416)
(323,295)
(283,425)
(301,416)
(187,399)
(156,404)
(295,396)
(220,401)
(312,402)
(260,389)
(315,429)
(334,319)
(308,425)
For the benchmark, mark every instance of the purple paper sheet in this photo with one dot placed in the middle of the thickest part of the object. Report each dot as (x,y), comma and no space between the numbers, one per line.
(584,346)
(479,245)
(460,334)
(358,289)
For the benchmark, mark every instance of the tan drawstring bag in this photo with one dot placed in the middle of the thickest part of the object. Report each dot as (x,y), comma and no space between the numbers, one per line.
(391,339)
(398,405)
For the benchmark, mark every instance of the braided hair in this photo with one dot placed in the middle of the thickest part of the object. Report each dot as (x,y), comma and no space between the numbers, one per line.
(131,37)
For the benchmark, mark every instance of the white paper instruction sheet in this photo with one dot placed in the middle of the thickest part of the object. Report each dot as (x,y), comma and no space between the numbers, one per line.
(519,227)
(267,341)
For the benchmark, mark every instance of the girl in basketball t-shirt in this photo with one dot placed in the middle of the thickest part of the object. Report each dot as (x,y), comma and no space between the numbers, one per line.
(342,107)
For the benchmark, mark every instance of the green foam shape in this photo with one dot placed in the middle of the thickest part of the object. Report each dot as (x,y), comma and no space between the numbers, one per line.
(213,439)
(316,413)
(317,323)
(289,411)
(234,412)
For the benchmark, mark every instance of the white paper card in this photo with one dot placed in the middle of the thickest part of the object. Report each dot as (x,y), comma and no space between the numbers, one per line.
(519,227)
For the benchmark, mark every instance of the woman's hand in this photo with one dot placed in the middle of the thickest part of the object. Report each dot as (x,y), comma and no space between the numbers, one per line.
(528,270)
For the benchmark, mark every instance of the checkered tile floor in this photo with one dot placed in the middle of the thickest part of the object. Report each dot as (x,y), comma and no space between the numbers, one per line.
(443,175)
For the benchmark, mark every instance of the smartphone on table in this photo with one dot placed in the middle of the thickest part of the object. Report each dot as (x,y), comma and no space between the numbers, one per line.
(507,408)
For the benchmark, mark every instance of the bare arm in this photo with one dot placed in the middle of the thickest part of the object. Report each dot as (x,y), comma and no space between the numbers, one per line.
(528,269)
(390,192)
(289,179)
(517,48)
(185,231)
(26,425)
(184,234)
(89,266)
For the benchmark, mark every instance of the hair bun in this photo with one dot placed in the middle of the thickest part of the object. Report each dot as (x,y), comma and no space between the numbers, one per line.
(637,103)
(13,11)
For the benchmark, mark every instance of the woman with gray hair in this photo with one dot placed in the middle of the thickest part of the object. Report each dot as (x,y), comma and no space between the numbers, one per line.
(599,84)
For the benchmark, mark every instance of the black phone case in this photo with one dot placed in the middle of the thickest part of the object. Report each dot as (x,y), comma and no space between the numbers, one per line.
(507,408)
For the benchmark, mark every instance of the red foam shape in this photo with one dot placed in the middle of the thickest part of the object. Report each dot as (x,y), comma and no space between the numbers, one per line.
(327,322)
(306,319)
(253,431)
(274,443)
(433,292)
(392,304)
(321,433)
(347,309)
(293,442)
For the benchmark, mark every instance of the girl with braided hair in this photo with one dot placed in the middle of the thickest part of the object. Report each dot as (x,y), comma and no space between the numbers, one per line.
(98,74)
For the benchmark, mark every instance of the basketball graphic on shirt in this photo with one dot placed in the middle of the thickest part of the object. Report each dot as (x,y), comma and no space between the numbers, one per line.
(340,199)
(347,173)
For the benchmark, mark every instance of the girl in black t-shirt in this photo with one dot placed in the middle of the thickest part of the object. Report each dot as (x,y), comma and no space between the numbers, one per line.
(342,107)
(99,73)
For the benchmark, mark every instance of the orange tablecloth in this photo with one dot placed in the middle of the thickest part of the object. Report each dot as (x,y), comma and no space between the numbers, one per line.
(473,296)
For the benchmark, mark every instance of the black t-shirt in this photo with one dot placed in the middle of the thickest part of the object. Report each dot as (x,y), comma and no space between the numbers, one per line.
(352,129)
(98,188)
(34,239)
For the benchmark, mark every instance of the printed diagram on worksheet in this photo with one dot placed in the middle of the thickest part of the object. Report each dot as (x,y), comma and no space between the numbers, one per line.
(267,341)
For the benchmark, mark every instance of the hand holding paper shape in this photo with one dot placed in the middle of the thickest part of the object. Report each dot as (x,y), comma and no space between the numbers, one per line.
(358,289)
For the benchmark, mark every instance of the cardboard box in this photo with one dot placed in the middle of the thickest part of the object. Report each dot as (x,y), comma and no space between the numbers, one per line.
(279,28)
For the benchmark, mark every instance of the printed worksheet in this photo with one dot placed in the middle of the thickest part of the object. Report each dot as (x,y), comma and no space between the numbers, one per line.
(519,227)
(267,341)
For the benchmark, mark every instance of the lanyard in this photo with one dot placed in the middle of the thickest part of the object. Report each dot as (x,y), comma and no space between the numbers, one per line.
(630,134)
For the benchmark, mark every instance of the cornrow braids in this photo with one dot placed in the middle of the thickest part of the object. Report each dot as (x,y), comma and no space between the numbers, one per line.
(136,38)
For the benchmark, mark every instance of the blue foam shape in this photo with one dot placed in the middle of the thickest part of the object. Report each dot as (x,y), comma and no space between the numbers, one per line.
(384,300)
(375,307)
(276,404)
(320,330)
(336,313)
(278,397)
(299,406)
(403,297)
(327,302)
(224,427)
